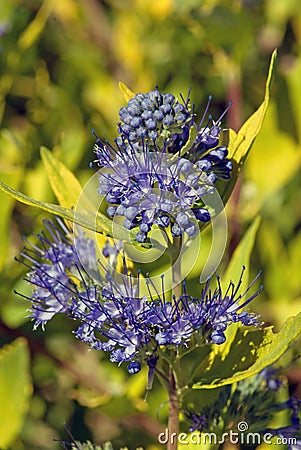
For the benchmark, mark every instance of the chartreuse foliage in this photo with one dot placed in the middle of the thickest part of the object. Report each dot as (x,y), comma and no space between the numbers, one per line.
(89,446)
(15,390)
(229,359)
(68,191)
(246,351)
(241,257)
(249,352)
(126,91)
(11,175)
(66,186)
(56,82)
(240,143)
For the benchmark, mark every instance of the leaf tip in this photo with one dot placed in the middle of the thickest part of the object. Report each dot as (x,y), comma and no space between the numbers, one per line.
(272,71)
(44,151)
(126,91)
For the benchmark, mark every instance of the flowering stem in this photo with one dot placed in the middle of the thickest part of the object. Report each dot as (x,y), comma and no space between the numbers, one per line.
(173,418)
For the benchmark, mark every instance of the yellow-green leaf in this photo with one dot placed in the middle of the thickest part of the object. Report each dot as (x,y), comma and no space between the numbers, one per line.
(15,390)
(99,223)
(13,175)
(63,182)
(250,352)
(126,92)
(264,162)
(68,189)
(241,257)
(35,28)
(240,143)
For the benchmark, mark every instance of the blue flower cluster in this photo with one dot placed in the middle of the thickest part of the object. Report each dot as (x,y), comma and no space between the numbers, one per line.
(162,167)
(62,274)
(253,400)
(149,190)
(151,115)
(133,327)
(114,315)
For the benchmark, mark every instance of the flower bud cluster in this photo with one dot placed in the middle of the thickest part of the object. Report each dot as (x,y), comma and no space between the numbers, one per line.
(151,115)
(162,167)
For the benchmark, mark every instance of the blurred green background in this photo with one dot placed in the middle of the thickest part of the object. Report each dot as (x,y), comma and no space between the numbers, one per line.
(60,63)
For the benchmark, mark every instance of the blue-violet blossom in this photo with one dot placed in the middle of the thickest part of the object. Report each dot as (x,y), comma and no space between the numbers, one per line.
(162,166)
(252,400)
(114,315)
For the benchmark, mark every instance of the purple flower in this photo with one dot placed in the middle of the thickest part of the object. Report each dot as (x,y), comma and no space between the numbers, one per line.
(114,316)
(252,401)
(197,421)
(57,270)
(270,375)
(221,309)
(154,189)
(162,174)
(132,328)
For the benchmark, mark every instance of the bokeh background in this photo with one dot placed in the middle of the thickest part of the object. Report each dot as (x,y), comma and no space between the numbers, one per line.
(60,63)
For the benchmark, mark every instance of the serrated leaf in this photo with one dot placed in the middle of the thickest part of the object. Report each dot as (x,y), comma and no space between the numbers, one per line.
(250,352)
(126,91)
(15,390)
(98,223)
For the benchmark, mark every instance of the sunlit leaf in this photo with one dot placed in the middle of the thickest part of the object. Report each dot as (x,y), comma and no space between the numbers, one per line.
(241,257)
(190,141)
(35,28)
(264,162)
(249,353)
(12,175)
(15,390)
(127,93)
(63,182)
(240,143)
(98,223)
